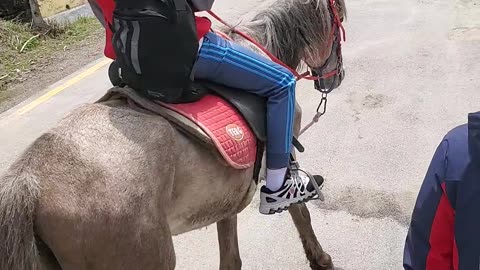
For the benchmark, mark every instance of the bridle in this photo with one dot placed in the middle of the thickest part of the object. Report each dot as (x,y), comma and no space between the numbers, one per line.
(319,71)
(318,74)
(335,55)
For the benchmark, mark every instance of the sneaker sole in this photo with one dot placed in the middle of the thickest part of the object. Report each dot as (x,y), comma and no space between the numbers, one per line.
(281,208)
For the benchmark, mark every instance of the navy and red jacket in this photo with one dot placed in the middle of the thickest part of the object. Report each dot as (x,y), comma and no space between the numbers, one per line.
(444,232)
(103,10)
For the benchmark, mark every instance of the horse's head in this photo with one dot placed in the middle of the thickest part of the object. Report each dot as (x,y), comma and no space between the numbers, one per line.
(323,53)
(308,30)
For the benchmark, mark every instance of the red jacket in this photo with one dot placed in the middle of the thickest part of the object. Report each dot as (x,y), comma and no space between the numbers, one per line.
(107,7)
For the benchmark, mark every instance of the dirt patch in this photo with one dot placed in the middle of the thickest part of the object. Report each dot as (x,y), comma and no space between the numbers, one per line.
(44,59)
(52,7)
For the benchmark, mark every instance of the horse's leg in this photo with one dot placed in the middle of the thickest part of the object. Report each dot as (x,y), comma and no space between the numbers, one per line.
(122,239)
(319,259)
(228,243)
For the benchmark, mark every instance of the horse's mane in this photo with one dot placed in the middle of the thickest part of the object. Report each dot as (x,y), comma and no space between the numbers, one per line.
(293,29)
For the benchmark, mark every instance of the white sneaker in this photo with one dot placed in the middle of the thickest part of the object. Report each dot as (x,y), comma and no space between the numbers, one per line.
(296,189)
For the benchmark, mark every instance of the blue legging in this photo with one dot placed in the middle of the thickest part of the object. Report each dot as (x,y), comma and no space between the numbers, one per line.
(224,62)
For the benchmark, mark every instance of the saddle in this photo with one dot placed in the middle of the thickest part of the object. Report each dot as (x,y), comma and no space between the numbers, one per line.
(229,121)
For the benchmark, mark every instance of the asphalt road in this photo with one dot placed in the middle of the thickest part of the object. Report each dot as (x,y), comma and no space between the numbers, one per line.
(412,75)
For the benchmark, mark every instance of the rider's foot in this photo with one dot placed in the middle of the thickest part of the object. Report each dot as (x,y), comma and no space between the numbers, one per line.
(294,190)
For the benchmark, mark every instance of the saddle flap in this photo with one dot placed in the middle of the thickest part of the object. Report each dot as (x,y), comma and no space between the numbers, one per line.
(228,130)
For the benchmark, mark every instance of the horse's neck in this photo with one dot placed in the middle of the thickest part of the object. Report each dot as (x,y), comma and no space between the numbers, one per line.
(247,44)
(289,56)
(290,29)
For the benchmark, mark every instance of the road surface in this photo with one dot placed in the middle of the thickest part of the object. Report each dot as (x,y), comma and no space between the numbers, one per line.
(412,74)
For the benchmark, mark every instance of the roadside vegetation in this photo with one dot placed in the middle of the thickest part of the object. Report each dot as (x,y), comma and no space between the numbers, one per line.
(24,48)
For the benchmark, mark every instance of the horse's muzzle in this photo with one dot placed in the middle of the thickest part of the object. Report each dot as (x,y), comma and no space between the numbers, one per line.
(327,85)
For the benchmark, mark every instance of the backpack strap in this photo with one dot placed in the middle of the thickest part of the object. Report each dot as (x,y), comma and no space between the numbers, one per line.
(156,46)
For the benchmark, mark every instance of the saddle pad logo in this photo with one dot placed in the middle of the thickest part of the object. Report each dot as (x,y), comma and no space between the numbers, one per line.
(235,132)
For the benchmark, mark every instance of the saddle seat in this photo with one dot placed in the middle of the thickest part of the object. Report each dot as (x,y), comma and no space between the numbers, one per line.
(232,120)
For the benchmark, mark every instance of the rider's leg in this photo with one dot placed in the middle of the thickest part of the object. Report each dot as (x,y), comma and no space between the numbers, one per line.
(227,63)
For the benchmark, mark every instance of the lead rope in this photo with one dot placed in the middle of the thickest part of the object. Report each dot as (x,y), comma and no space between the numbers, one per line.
(321,110)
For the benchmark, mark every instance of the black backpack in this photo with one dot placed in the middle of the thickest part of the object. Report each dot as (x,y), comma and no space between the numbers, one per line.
(156,45)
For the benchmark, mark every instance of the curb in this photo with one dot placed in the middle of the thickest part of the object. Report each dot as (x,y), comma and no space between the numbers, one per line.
(15,111)
(71,15)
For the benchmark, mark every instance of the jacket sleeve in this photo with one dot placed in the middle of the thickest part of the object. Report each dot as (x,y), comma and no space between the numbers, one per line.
(202,5)
(430,240)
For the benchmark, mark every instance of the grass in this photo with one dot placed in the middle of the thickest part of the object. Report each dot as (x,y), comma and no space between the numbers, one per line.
(21,48)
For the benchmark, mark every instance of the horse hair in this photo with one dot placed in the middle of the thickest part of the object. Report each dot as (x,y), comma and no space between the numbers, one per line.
(293,29)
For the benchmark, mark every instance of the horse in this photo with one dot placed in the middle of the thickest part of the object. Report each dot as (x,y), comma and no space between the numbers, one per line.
(109,186)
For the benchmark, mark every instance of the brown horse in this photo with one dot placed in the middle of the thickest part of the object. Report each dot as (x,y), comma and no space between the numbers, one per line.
(109,186)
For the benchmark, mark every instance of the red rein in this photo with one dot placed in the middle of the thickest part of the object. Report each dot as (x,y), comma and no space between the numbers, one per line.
(306,75)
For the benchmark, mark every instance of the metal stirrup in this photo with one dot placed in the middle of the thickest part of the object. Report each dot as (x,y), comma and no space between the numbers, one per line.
(295,168)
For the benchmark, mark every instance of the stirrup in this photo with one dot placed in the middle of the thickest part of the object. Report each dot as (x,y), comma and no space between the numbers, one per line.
(294,169)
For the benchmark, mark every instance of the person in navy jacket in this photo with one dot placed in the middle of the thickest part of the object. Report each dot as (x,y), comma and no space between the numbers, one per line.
(444,233)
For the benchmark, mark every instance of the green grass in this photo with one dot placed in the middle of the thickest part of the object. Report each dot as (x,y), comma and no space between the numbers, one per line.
(21,48)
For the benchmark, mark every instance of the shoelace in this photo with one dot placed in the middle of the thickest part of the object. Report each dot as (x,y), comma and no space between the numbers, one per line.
(299,182)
